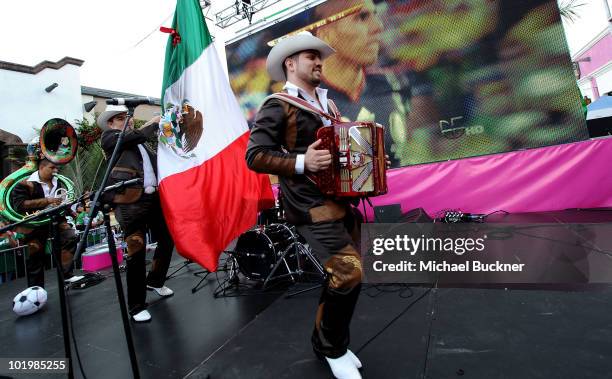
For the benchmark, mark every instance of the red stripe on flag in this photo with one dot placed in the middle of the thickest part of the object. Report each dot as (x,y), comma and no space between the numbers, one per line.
(208,206)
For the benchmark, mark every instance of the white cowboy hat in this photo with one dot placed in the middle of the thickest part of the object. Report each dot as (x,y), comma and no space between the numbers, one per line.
(110,112)
(291,45)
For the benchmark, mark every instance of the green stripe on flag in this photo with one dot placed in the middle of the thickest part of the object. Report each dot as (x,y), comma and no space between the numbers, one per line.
(189,22)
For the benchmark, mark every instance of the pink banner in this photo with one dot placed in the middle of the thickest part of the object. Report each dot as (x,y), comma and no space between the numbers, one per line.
(575,175)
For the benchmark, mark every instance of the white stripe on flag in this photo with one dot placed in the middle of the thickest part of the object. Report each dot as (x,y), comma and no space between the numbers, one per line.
(209,92)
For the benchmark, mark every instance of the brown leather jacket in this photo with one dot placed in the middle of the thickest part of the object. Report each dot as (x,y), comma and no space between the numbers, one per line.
(280,132)
(29,197)
(129,164)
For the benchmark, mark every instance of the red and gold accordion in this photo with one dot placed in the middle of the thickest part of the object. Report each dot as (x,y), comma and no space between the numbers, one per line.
(359,166)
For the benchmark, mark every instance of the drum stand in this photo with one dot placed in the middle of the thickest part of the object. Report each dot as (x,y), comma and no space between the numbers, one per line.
(185,264)
(204,272)
(232,278)
(300,251)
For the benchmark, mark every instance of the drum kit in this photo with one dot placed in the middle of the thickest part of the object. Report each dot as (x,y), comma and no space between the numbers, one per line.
(270,252)
(274,251)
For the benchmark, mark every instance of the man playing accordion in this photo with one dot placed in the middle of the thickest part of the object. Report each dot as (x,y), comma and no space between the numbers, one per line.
(284,142)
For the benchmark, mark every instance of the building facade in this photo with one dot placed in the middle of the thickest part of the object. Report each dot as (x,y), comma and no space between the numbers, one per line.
(31,95)
(593,66)
(589,37)
(99,96)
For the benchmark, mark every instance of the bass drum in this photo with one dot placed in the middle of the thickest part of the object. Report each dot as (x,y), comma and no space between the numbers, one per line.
(258,250)
(274,215)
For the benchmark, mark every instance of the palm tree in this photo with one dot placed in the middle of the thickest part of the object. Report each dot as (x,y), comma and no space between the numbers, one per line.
(88,166)
(569,10)
(86,169)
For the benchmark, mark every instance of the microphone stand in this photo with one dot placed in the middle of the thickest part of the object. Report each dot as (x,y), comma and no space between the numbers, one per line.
(97,204)
(55,213)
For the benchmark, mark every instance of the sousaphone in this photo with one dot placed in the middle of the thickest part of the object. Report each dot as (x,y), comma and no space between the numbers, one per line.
(57,143)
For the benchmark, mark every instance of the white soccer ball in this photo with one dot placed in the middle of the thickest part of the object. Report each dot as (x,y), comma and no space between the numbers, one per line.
(29,300)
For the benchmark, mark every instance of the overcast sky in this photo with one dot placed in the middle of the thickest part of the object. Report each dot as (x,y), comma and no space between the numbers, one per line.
(591,21)
(105,34)
(120,42)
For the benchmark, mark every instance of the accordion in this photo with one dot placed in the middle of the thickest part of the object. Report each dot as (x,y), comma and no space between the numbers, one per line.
(359,165)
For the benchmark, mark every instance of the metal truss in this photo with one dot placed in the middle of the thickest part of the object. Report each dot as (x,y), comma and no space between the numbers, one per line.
(205,5)
(242,9)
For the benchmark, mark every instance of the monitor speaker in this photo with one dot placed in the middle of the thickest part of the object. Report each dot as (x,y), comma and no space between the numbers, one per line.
(389,214)
(416,215)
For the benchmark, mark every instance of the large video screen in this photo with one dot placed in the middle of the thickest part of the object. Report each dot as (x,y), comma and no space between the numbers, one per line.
(448,79)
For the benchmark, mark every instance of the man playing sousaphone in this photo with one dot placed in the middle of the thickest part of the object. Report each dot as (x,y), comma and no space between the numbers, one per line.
(40,190)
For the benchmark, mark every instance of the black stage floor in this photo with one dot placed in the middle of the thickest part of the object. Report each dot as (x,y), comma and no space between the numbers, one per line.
(185,328)
(398,331)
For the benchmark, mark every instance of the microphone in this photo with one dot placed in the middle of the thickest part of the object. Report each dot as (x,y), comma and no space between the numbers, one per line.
(125,183)
(130,102)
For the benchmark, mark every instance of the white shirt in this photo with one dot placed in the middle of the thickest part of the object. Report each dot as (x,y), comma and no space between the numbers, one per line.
(320,104)
(150,180)
(49,191)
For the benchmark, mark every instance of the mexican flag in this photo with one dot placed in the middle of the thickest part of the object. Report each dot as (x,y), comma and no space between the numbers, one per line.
(208,194)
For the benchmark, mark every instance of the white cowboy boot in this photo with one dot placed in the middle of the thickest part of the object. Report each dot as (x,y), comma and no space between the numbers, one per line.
(354,358)
(345,367)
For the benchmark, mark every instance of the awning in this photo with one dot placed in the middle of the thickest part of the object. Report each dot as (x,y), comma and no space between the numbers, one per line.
(600,108)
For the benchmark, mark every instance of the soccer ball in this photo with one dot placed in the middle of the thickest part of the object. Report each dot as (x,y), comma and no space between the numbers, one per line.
(29,300)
